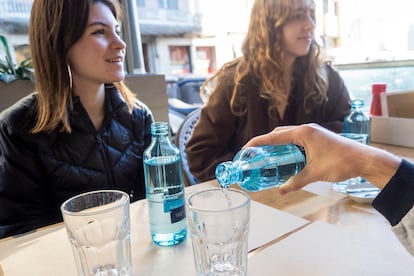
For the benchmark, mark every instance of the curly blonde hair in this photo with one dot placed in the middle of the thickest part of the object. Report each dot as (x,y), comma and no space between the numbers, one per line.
(263,53)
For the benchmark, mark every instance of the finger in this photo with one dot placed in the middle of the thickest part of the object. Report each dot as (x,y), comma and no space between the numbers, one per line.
(289,186)
(296,182)
(280,135)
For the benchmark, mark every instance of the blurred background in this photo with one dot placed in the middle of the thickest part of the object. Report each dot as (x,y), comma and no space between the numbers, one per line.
(368,41)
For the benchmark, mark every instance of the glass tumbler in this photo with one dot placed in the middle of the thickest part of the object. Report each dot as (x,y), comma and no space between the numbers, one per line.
(98,227)
(343,185)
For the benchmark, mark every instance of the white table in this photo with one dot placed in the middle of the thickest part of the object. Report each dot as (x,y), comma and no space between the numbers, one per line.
(314,231)
(51,254)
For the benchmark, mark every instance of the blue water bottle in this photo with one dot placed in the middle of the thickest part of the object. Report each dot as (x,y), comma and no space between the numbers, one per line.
(164,188)
(357,121)
(259,168)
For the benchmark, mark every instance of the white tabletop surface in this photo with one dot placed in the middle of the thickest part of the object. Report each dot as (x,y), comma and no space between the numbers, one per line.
(322,249)
(51,254)
(319,232)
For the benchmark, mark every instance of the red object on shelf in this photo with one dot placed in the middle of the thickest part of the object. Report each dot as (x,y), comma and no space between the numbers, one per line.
(377,89)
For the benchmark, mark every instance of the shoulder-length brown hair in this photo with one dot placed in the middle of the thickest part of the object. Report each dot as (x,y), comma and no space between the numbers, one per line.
(54,27)
(263,53)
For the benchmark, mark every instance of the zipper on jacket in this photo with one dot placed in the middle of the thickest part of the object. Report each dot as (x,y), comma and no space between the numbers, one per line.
(107,167)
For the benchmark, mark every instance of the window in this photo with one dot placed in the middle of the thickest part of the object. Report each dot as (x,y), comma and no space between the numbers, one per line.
(168,4)
(179,59)
(369,41)
(205,60)
(141,3)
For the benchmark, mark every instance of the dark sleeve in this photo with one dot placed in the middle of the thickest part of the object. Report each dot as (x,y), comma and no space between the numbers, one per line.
(209,142)
(24,204)
(397,197)
(339,102)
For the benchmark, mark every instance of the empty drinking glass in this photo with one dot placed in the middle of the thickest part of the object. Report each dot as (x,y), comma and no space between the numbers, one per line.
(218,222)
(98,228)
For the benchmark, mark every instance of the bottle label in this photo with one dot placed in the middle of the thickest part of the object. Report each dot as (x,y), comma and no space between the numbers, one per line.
(176,209)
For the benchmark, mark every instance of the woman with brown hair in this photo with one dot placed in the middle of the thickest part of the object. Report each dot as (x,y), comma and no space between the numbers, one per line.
(281,79)
(83,130)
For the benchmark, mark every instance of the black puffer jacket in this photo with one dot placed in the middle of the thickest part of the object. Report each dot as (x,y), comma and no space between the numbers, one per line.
(38,172)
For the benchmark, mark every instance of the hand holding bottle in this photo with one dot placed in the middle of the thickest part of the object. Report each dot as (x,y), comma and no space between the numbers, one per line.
(263,167)
(330,157)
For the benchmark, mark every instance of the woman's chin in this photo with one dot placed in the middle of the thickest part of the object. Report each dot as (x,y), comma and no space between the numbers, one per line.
(118,78)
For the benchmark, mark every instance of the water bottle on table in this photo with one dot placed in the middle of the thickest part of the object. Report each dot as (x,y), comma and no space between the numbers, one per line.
(262,167)
(358,121)
(164,188)
(357,126)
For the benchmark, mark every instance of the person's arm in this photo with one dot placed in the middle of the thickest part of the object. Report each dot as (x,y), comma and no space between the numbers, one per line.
(404,230)
(396,201)
(208,144)
(397,197)
(23,201)
(331,157)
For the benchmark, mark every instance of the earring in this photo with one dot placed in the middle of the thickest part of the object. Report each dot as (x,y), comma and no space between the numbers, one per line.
(70,78)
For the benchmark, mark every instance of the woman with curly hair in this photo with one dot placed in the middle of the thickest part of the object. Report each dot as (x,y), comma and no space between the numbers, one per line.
(281,79)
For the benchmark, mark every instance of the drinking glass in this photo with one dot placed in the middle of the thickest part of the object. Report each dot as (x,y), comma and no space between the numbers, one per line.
(98,227)
(343,185)
(218,222)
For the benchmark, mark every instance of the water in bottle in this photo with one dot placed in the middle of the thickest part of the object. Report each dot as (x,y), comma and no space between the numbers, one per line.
(164,188)
(263,167)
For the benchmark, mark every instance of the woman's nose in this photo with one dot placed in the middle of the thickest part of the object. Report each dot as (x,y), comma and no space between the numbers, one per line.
(310,21)
(118,42)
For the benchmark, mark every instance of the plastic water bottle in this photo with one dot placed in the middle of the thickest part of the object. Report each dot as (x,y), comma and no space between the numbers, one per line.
(259,168)
(164,188)
(357,121)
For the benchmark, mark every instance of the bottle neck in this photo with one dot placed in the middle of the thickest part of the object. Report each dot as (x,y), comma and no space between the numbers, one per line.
(228,173)
(159,131)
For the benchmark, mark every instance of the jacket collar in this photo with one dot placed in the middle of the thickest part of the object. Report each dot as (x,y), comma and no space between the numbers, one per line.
(79,118)
(113,98)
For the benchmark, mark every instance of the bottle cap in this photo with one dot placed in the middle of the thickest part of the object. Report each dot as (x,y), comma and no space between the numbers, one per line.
(357,103)
(378,88)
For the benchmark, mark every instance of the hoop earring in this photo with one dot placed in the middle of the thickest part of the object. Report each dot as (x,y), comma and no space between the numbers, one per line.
(70,78)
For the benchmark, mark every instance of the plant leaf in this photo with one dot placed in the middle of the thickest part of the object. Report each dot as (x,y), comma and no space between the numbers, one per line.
(9,58)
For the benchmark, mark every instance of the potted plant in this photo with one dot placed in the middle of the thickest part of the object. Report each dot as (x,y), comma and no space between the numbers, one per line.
(16,81)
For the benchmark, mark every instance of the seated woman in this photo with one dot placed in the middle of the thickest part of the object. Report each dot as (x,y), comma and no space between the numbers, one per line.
(281,79)
(83,130)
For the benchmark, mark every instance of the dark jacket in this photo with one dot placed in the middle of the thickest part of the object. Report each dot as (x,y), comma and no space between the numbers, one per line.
(219,134)
(395,202)
(40,171)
